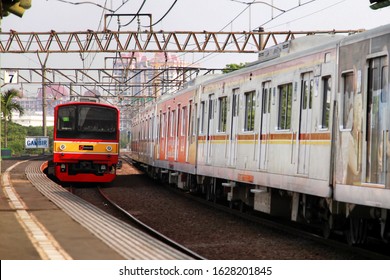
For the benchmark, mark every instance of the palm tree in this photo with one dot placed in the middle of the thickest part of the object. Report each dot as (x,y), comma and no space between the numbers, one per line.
(8,105)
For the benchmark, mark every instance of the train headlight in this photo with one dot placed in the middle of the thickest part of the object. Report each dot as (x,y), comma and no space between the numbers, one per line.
(109,148)
(102,168)
(62,147)
(63,167)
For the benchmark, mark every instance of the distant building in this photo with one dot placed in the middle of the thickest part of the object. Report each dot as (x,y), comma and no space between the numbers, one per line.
(32,119)
(55,94)
(32,105)
(139,79)
(145,79)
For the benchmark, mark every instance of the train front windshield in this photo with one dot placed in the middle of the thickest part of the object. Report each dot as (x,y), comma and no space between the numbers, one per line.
(87,122)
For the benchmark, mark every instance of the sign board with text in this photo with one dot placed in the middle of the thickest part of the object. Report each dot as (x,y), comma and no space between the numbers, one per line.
(37,142)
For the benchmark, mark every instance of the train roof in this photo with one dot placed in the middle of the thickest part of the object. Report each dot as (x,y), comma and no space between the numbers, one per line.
(200,80)
(298,46)
(378,31)
(290,50)
(86,103)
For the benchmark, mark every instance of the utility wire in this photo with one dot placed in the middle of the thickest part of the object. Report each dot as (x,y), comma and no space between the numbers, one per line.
(86,2)
(208,56)
(139,10)
(289,10)
(169,10)
(316,12)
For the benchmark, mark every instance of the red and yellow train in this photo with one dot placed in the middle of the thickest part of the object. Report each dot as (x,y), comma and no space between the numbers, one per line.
(86,142)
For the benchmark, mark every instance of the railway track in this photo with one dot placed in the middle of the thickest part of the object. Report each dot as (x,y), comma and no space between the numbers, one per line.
(150,230)
(308,232)
(217,232)
(96,196)
(374,250)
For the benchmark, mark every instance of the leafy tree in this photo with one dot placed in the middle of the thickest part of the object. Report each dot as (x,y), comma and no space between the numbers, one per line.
(16,139)
(8,105)
(233,67)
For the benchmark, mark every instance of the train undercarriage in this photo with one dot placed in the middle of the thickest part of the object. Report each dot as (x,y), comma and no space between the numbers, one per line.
(355,222)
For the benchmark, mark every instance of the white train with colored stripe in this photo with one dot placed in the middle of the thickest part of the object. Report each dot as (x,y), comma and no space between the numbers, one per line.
(301,133)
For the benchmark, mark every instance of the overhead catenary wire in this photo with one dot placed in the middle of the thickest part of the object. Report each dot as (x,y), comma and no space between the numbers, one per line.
(135,16)
(169,10)
(205,57)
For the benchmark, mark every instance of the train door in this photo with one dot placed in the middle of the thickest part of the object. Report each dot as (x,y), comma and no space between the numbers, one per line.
(233,128)
(377,126)
(210,129)
(265,125)
(305,127)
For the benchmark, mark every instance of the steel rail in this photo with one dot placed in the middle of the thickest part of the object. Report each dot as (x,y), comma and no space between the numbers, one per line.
(152,231)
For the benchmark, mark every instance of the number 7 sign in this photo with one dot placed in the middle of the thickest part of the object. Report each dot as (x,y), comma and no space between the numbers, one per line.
(10,77)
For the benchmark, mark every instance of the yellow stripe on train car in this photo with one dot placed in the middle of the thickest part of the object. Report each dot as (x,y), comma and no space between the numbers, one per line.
(86,147)
(271,142)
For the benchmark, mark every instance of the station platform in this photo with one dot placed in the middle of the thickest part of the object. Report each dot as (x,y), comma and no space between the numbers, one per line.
(35,226)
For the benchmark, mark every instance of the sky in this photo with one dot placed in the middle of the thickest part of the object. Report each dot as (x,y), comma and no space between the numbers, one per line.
(186,15)
(212,15)
(191,15)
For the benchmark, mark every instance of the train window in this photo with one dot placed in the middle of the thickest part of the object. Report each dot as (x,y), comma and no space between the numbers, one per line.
(202,116)
(179,122)
(222,114)
(327,57)
(189,119)
(143,129)
(384,84)
(66,118)
(285,106)
(183,121)
(163,125)
(307,94)
(158,127)
(250,105)
(348,99)
(193,118)
(211,107)
(151,121)
(236,102)
(325,106)
(87,122)
(266,103)
(169,124)
(172,123)
(96,119)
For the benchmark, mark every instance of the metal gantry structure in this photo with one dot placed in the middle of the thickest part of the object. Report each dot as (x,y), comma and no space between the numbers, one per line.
(122,85)
(148,41)
(115,86)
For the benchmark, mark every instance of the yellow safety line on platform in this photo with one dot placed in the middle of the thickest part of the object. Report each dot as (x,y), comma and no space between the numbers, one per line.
(45,244)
